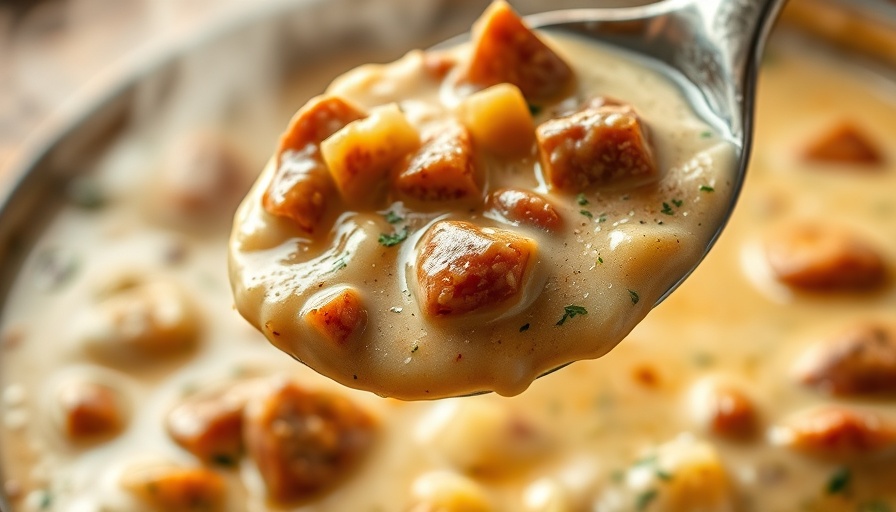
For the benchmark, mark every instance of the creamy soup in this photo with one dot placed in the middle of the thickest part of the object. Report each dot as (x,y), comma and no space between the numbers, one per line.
(765,383)
(422,235)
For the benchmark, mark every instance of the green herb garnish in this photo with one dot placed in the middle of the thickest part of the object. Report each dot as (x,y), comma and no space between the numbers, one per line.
(570,312)
(839,481)
(46,499)
(392,217)
(416,348)
(677,202)
(86,193)
(586,213)
(600,260)
(581,199)
(534,109)
(223,459)
(705,134)
(645,499)
(634,296)
(706,188)
(388,240)
(524,328)
(667,209)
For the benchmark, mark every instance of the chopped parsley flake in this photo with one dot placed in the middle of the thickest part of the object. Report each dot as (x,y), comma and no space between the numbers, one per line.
(223,459)
(667,209)
(86,193)
(46,499)
(677,202)
(570,312)
(392,217)
(339,264)
(664,475)
(586,213)
(706,188)
(634,296)
(534,109)
(706,134)
(416,348)
(388,240)
(602,218)
(644,499)
(600,260)
(581,199)
(524,328)
(839,481)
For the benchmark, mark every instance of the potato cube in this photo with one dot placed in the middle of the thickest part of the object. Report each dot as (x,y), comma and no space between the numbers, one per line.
(339,317)
(506,51)
(462,267)
(361,155)
(443,169)
(595,146)
(499,120)
(525,207)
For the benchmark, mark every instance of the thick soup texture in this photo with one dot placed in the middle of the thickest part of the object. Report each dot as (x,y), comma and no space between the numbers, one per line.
(469,219)
(765,383)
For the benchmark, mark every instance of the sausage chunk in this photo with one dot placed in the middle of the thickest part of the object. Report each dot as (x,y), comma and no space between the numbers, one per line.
(823,257)
(843,143)
(361,155)
(301,186)
(90,410)
(443,169)
(167,488)
(525,207)
(303,441)
(210,424)
(837,432)
(725,409)
(505,50)
(339,317)
(462,267)
(861,360)
(599,145)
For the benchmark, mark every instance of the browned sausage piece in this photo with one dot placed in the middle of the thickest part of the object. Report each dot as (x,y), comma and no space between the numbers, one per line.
(304,442)
(90,410)
(301,186)
(838,432)
(823,257)
(506,51)
(176,489)
(525,207)
(339,317)
(209,424)
(599,145)
(844,143)
(860,360)
(462,267)
(443,169)
(732,413)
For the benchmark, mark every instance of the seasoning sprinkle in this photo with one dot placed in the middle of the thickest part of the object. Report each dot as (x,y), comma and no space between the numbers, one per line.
(706,188)
(388,240)
(571,311)
(634,296)
(581,199)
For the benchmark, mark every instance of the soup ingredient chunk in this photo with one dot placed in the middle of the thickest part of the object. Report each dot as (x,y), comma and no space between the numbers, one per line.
(817,256)
(209,424)
(361,155)
(725,409)
(601,144)
(446,491)
(838,432)
(500,120)
(525,207)
(443,169)
(339,317)
(170,488)
(506,51)
(860,360)
(90,410)
(304,441)
(301,187)
(843,143)
(462,267)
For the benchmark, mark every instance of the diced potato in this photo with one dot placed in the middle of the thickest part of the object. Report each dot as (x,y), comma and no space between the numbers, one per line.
(340,317)
(844,143)
(445,491)
(361,155)
(321,117)
(819,256)
(443,169)
(683,475)
(305,442)
(525,207)
(169,488)
(860,360)
(595,146)
(838,433)
(724,408)
(482,437)
(90,410)
(210,424)
(499,120)
(506,51)
(300,189)
(462,267)
(138,319)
